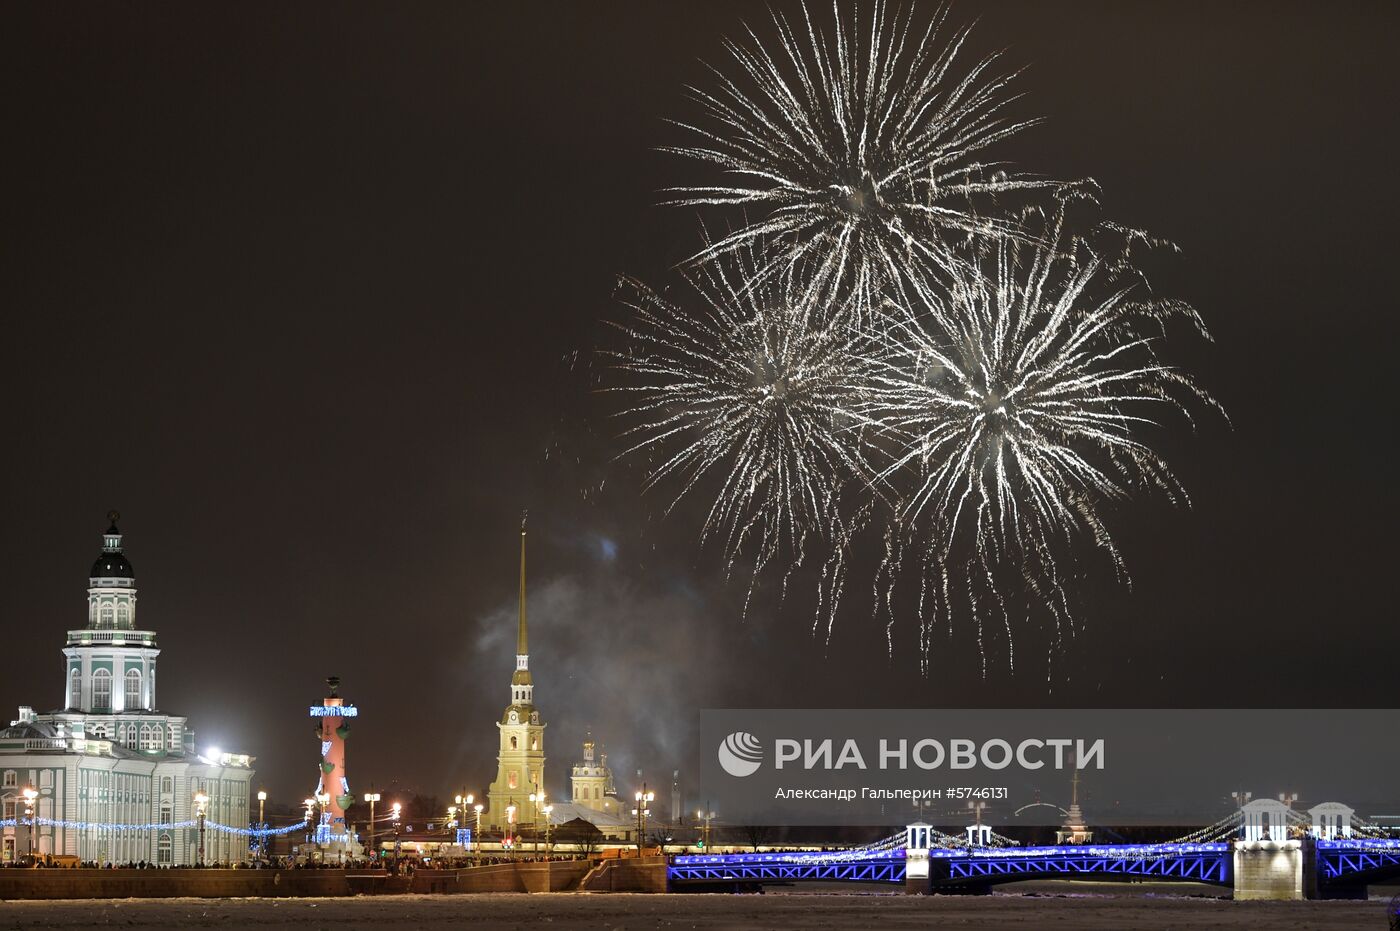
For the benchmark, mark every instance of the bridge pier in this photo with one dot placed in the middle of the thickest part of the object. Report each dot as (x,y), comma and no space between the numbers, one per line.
(1274,870)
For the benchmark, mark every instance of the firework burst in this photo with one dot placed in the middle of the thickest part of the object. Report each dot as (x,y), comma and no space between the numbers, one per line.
(1017,403)
(856,149)
(868,358)
(749,389)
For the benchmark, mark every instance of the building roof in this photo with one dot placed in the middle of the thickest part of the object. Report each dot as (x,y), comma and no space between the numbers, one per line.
(563,812)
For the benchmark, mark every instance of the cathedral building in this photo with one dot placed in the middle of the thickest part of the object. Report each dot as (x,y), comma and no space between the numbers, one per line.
(520,759)
(593,797)
(108,759)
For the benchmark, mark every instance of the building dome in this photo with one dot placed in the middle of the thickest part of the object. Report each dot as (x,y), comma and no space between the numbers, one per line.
(112,564)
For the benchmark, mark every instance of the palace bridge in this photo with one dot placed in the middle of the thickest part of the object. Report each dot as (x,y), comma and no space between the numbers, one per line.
(1329,858)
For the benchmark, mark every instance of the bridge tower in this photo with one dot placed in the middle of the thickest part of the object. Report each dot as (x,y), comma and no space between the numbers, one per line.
(1265,819)
(917,880)
(1331,820)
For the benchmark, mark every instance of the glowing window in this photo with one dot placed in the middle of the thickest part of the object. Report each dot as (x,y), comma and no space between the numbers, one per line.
(101,690)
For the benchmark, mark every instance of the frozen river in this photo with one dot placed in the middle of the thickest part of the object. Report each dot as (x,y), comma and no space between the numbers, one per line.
(1088,909)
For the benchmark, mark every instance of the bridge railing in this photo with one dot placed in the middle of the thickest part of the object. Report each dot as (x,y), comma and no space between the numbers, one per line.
(1360,843)
(1090,850)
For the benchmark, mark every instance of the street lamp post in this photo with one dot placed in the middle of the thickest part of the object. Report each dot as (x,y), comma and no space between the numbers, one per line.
(201,801)
(536,800)
(372,797)
(310,805)
(644,798)
(398,812)
(31,808)
(262,825)
(510,828)
(705,816)
(477,808)
(546,810)
(322,827)
(464,801)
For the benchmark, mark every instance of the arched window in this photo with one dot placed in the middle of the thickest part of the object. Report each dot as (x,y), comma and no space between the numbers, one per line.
(123,615)
(167,783)
(104,617)
(512,743)
(101,690)
(133,689)
(163,849)
(75,689)
(151,737)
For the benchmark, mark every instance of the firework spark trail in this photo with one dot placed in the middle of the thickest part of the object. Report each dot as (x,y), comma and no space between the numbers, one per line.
(754,393)
(856,150)
(1016,401)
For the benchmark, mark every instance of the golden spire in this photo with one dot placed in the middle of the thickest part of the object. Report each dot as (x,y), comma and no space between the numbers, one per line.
(521,696)
(521,646)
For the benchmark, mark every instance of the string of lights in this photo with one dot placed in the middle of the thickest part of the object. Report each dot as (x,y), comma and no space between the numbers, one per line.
(158,826)
(1223,828)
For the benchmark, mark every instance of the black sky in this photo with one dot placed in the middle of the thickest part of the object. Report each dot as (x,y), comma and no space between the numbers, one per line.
(308,293)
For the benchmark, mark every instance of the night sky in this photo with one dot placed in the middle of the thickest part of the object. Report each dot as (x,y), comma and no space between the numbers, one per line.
(311,294)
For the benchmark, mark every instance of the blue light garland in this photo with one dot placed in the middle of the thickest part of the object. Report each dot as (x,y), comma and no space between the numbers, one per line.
(162,826)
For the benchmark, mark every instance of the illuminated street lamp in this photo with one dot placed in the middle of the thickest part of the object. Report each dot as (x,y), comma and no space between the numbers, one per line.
(323,799)
(707,817)
(536,800)
(201,802)
(510,827)
(977,835)
(262,825)
(477,808)
(546,810)
(30,807)
(464,802)
(398,813)
(371,797)
(642,812)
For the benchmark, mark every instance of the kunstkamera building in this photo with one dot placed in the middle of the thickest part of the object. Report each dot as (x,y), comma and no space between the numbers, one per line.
(113,778)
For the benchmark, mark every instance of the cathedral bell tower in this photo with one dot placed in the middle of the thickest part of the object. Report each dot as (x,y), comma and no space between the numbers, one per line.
(520,760)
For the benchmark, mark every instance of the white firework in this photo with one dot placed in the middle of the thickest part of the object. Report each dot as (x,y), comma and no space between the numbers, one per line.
(1018,403)
(854,151)
(748,391)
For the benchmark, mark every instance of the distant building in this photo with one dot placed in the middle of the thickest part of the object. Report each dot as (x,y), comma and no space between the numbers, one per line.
(520,760)
(594,797)
(109,758)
